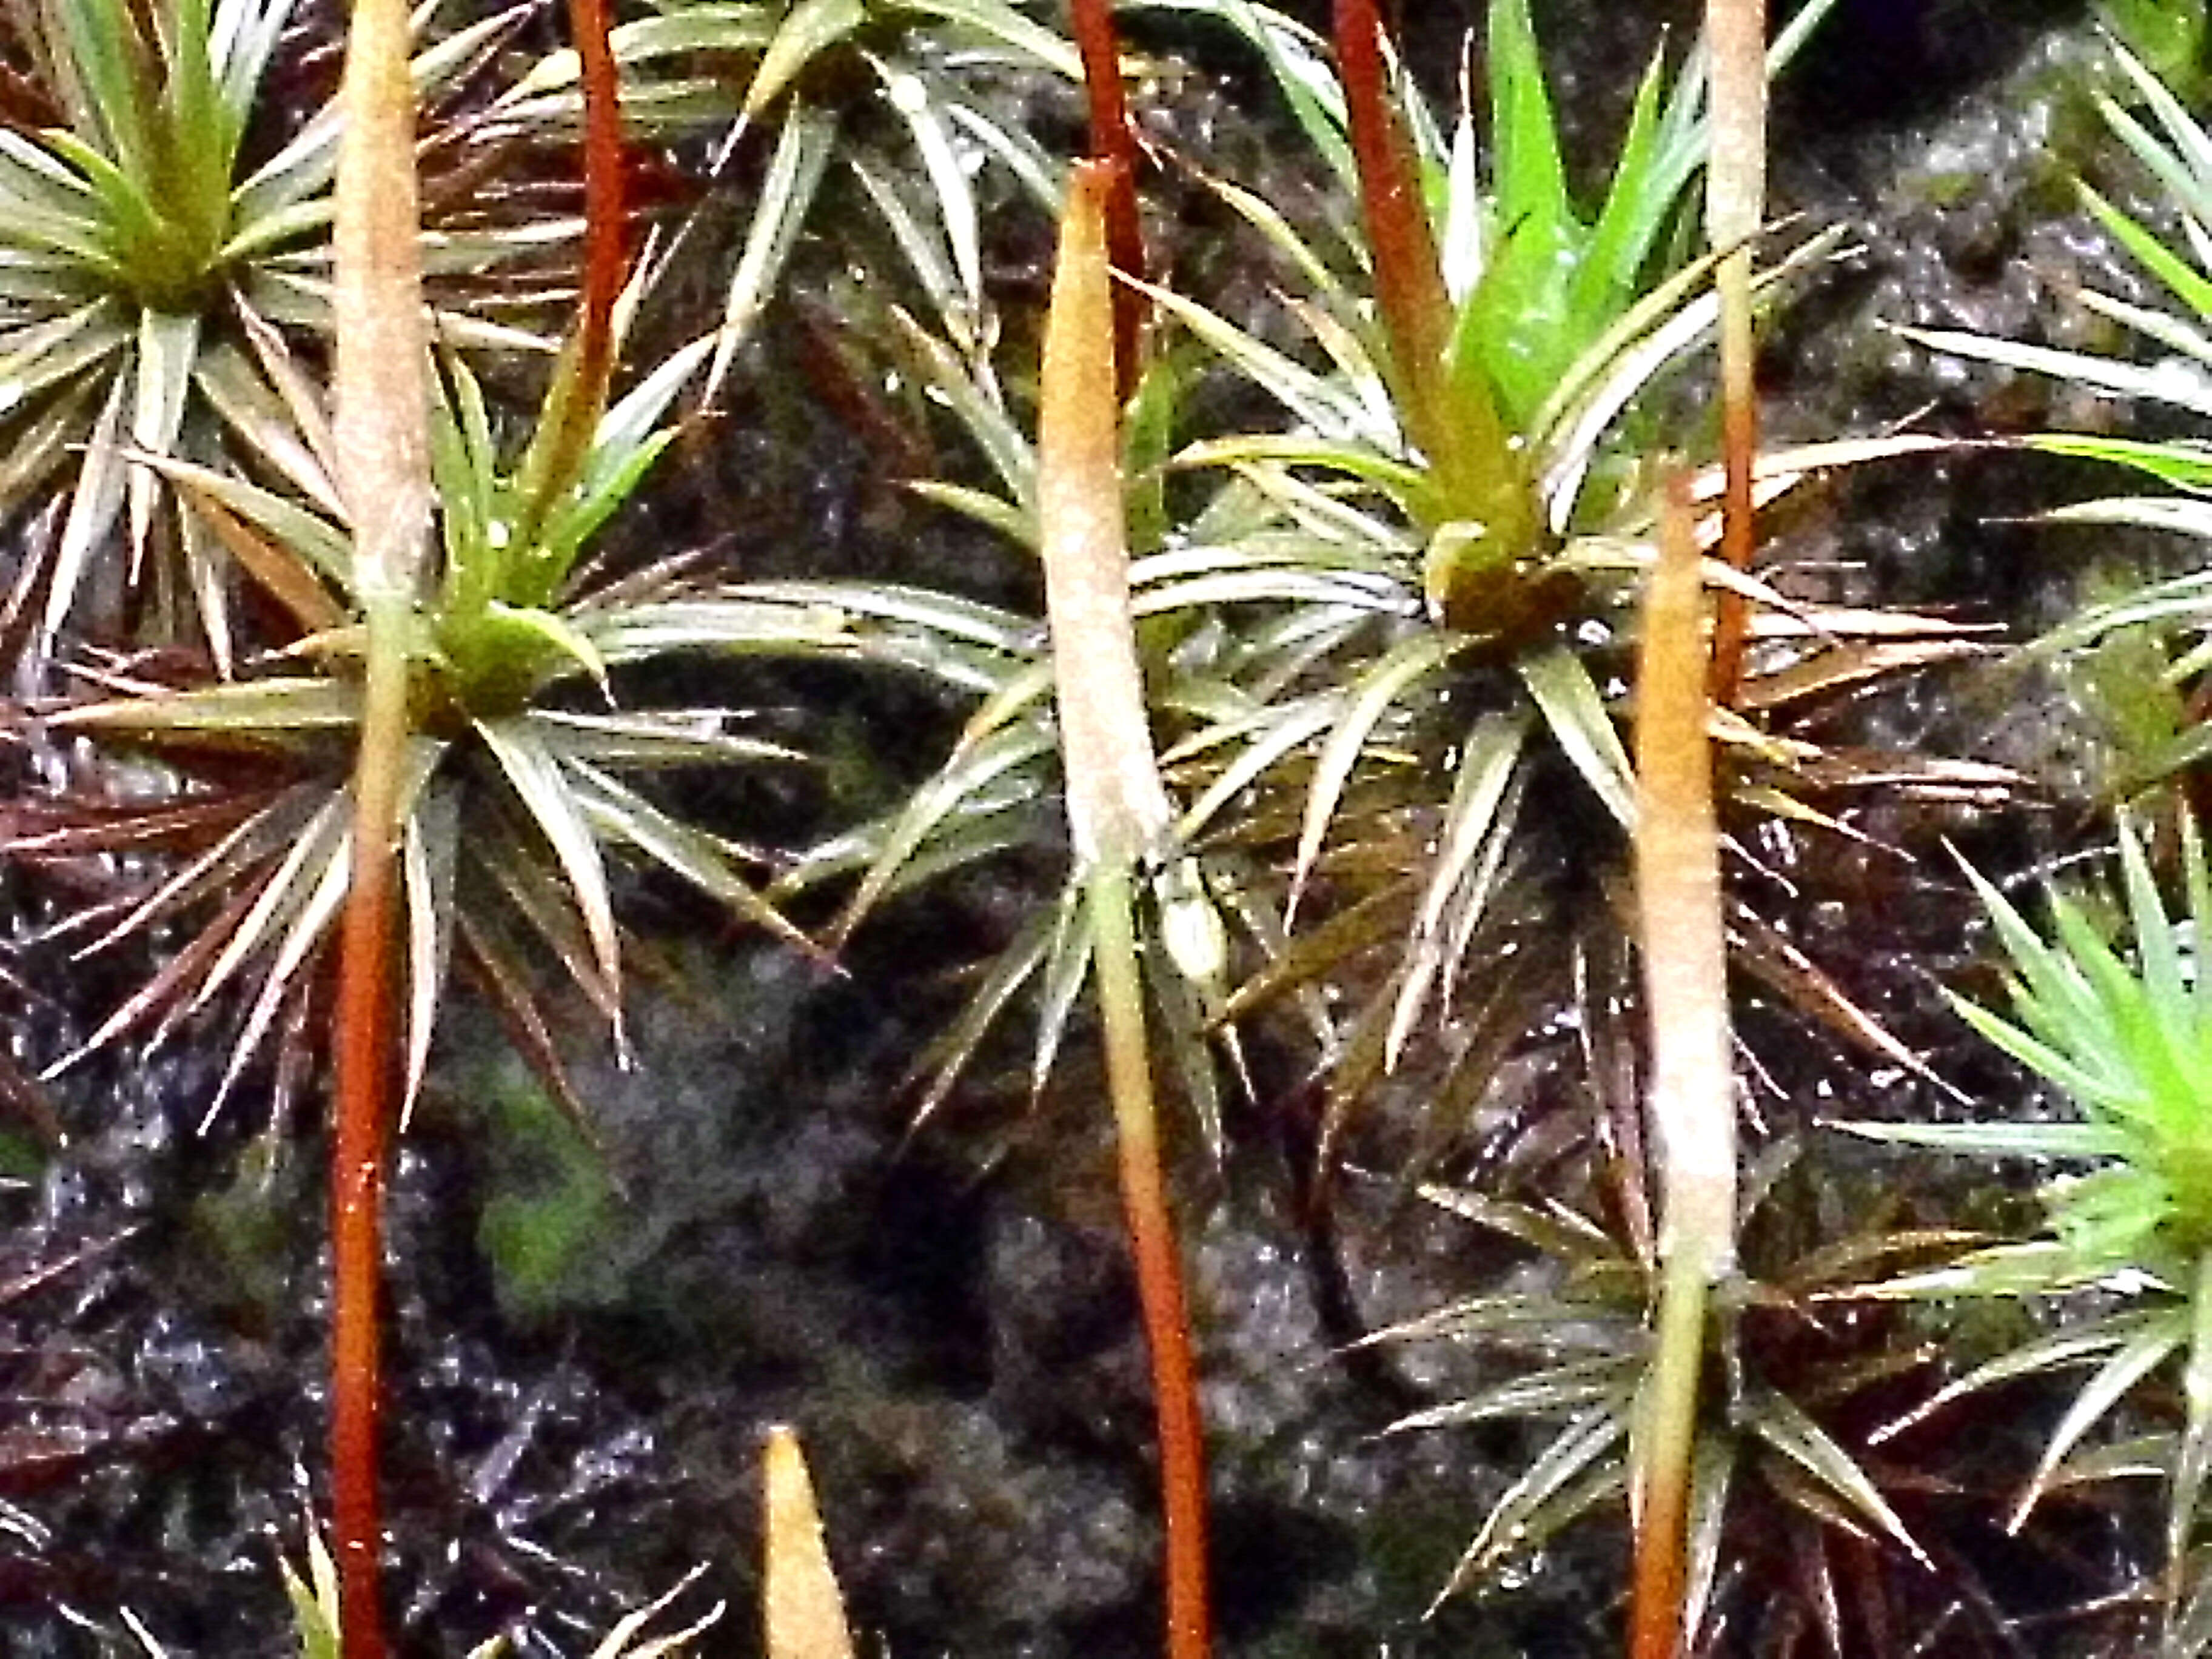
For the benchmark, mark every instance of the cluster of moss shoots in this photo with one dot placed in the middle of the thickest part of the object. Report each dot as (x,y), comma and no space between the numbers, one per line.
(1298,829)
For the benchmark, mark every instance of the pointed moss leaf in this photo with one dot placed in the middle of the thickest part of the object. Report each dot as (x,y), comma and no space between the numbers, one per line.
(631,422)
(620,813)
(2051,981)
(1065,967)
(1770,956)
(167,346)
(429,850)
(2181,514)
(1477,837)
(2186,284)
(960,780)
(2193,1452)
(1577,715)
(1320,404)
(1184,1035)
(1554,1229)
(802,148)
(525,630)
(508,855)
(263,423)
(217,870)
(1397,479)
(553,805)
(1005,24)
(314,1606)
(978,407)
(1485,766)
(953,197)
(1353,354)
(325,891)
(1712,1477)
(1634,211)
(1274,733)
(93,507)
(1401,671)
(274,708)
(1527,1514)
(2184,462)
(1533,1320)
(2182,162)
(1559,1390)
(304,534)
(2131,1362)
(1648,339)
(2083,1140)
(2174,382)
(1268,220)
(809,28)
(2139,1457)
(1275,584)
(1012,970)
(2192,346)
(994,513)
(1782,1424)
(917,240)
(290,887)
(622,1642)
(2181,598)
(2125,1333)
(658,737)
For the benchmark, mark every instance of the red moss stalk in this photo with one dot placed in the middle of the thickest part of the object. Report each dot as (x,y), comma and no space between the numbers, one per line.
(1409,280)
(1735,206)
(1164,1307)
(580,395)
(365,1056)
(1113,141)
(606,254)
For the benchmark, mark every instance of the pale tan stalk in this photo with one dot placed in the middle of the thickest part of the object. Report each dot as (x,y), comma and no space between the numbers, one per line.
(1118,815)
(1692,1104)
(381,417)
(802,1613)
(1117,807)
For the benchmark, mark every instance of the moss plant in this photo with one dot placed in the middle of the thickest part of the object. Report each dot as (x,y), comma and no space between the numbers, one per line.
(1313,750)
(2130,1042)
(2157,129)
(1791,1520)
(891,95)
(161,282)
(316,1620)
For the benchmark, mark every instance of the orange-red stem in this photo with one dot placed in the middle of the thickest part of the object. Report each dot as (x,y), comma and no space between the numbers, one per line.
(1739,523)
(1113,141)
(1175,1396)
(357,1143)
(1165,1310)
(606,255)
(1409,283)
